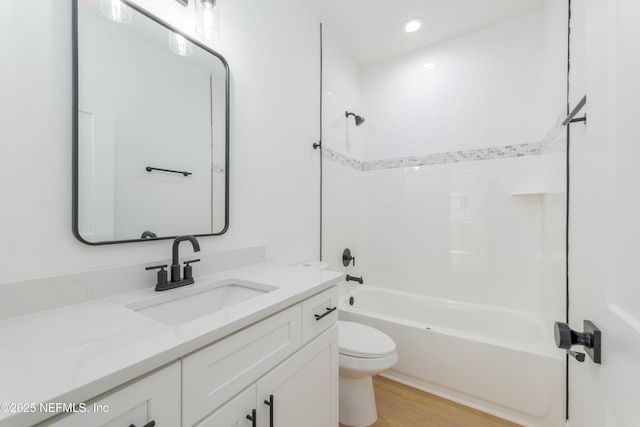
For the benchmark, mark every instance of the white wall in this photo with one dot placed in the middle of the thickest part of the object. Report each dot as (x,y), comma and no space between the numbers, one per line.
(274,121)
(342,91)
(481,89)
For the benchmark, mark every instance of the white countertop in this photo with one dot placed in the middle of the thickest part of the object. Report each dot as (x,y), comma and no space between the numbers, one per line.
(74,353)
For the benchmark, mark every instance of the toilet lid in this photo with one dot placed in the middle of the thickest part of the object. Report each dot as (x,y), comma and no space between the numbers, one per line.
(358,340)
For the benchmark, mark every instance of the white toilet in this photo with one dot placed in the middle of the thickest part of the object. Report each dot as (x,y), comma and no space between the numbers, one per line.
(364,352)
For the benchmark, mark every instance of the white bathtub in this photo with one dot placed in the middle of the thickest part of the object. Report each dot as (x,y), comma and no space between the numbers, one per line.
(498,361)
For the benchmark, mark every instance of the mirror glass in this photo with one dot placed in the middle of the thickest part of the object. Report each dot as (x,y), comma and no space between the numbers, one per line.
(151,117)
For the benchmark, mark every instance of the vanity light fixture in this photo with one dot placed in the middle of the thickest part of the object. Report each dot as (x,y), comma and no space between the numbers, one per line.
(180,45)
(412,25)
(116,11)
(208,16)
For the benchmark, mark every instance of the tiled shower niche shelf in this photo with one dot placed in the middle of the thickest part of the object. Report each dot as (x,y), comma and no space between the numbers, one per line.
(539,191)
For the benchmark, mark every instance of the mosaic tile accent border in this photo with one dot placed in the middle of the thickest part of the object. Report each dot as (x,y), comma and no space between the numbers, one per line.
(553,145)
(341,159)
(506,151)
(553,142)
(503,152)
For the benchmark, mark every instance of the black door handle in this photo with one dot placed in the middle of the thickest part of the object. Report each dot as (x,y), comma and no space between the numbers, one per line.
(253,418)
(590,339)
(328,311)
(269,403)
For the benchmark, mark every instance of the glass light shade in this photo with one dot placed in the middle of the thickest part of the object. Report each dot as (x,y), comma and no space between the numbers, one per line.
(208,21)
(116,11)
(179,45)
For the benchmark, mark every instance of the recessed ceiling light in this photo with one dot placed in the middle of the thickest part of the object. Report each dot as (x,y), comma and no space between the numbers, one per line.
(412,25)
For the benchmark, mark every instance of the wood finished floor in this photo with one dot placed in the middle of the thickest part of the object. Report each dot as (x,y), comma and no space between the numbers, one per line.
(402,406)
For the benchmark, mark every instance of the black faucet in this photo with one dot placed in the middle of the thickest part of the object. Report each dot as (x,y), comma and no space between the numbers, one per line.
(176,281)
(355,279)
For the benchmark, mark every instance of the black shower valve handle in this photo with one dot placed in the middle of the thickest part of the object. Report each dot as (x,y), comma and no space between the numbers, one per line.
(347,258)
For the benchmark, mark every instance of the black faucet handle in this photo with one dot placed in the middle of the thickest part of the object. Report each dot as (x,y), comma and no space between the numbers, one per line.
(162,273)
(188,270)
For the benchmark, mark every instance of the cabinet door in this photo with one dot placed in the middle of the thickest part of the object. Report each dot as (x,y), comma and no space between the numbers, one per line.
(153,398)
(215,374)
(304,388)
(234,413)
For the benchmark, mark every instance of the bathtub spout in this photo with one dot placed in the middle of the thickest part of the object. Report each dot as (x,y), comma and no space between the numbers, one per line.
(355,279)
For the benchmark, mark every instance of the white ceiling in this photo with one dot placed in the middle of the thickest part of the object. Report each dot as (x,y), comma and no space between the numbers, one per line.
(371,30)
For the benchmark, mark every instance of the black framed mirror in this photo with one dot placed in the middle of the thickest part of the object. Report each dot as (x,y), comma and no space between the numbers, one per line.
(150,128)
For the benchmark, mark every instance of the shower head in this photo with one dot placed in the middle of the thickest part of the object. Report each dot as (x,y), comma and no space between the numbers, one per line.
(359,119)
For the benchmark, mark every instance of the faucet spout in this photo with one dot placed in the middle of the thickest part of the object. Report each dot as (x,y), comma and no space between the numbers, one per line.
(355,279)
(175,266)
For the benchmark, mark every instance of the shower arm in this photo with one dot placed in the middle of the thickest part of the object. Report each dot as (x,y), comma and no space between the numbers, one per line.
(359,119)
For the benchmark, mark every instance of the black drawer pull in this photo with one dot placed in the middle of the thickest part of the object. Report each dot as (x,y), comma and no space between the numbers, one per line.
(253,418)
(149,424)
(326,313)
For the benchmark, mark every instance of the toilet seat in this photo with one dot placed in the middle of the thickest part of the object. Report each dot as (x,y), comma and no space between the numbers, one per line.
(362,341)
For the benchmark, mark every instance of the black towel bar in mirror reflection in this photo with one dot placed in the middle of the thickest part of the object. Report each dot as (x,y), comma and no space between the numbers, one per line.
(149,169)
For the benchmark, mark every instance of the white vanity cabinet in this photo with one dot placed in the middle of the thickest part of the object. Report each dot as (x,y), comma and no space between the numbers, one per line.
(302,390)
(155,397)
(216,373)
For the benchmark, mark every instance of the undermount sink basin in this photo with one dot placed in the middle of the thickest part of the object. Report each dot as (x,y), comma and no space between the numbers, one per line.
(191,303)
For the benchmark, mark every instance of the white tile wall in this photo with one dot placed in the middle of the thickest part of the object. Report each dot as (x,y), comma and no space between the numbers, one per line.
(458,231)
(342,214)
(455,231)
